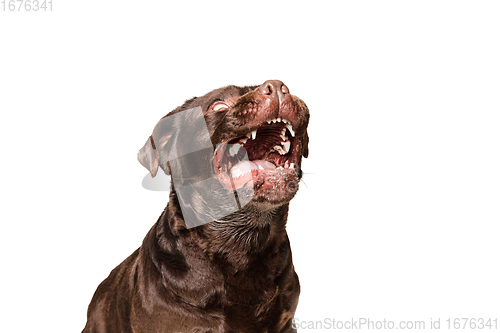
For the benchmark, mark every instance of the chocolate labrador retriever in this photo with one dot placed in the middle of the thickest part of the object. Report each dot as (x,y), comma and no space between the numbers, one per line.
(218,259)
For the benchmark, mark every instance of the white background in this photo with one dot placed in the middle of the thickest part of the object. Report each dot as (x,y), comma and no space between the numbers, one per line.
(398,215)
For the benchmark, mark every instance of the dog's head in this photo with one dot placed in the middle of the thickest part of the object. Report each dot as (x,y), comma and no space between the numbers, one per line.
(244,141)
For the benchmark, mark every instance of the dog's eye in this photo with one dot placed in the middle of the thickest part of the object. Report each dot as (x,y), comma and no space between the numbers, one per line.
(219,106)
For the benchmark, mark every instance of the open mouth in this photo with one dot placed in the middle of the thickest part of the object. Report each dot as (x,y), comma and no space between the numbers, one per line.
(270,150)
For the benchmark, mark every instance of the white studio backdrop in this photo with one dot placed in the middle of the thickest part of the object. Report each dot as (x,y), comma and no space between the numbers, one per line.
(398,215)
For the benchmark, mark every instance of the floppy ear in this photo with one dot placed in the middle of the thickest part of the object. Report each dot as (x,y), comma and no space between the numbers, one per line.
(305,145)
(178,126)
(148,156)
(153,154)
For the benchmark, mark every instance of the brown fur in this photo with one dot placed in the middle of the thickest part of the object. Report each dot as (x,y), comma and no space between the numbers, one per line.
(234,275)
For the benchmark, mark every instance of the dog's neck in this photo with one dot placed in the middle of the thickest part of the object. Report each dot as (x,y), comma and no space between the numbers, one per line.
(249,245)
(246,237)
(238,239)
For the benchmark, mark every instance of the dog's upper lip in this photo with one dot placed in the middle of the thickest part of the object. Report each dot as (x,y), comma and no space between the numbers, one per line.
(288,125)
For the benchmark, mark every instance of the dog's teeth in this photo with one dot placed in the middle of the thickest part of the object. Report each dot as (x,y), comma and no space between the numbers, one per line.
(292,165)
(254,134)
(234,149)
(289,126)
(260,167)
(277,148)
(283,134)
(279,120)
(280,150)
(244,140)
(286,145)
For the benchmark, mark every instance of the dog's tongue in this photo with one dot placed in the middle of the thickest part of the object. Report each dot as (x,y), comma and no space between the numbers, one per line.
(241,173)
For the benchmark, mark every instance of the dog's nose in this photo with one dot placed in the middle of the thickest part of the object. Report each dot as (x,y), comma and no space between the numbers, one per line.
(274,89)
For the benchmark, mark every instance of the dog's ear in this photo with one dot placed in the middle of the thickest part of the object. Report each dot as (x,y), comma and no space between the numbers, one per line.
(305,145)
(153,155)
(148,156)
(161,135)
(173,137)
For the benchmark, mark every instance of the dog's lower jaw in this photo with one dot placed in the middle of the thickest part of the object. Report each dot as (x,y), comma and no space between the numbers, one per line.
(267,205)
